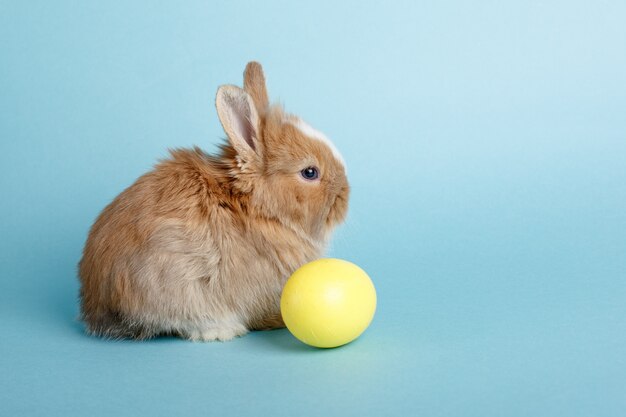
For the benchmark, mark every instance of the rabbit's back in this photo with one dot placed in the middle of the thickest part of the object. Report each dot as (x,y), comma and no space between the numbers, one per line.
(151,258)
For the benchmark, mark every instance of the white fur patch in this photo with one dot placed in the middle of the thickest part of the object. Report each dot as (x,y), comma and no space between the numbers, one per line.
(309,131)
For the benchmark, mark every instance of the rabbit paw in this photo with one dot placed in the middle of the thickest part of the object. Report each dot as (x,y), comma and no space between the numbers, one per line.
(217,331)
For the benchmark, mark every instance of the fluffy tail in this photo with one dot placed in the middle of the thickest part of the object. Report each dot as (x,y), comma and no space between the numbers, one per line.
(113,325)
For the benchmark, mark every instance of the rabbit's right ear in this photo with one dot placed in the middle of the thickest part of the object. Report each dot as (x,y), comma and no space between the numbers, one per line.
(240,120)
(254,84)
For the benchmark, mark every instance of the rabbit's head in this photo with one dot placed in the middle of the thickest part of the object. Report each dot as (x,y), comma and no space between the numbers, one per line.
(291,172)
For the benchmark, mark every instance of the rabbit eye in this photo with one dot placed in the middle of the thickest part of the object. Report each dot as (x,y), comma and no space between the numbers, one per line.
(310,173)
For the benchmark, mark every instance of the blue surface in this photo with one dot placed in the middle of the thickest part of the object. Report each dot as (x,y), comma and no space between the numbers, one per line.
(486,144)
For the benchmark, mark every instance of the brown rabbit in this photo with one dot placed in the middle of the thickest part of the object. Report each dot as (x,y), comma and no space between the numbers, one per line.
(202,245)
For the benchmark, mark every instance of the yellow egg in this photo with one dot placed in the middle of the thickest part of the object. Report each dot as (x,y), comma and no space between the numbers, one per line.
(328,302)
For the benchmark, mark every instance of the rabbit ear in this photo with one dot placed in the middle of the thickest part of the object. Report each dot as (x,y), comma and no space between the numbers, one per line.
(240,120)
(254,84)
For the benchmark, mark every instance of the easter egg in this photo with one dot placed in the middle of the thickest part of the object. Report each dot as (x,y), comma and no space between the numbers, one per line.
(328,302)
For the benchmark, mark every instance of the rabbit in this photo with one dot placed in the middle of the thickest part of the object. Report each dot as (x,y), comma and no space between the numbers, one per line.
(201,246)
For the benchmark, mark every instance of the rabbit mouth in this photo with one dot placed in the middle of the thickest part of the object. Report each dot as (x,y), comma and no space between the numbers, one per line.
(337,210)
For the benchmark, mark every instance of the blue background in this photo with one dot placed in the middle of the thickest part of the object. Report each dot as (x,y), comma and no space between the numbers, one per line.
(486,144)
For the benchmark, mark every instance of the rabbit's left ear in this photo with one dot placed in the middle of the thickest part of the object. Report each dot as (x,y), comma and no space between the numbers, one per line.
(254,84)
(240,120)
